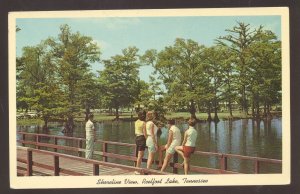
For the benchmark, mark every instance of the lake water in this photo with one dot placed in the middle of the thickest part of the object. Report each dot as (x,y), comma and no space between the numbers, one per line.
(243,137)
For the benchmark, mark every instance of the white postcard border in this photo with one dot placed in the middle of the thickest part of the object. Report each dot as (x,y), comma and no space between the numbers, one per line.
(200,180)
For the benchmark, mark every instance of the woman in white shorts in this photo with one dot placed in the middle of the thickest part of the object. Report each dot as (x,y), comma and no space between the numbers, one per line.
(174,140)
(151,142)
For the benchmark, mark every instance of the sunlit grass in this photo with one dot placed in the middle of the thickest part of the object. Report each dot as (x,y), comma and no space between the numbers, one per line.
(203,116)
(21,122)
(128,116)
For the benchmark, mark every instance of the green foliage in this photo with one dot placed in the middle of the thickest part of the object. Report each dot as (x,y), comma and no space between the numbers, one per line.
(119,79)
(73,54)
(54,77)
(144,94)
(48,101)
(50,75)
(239,40)
(265,70)
(180,68)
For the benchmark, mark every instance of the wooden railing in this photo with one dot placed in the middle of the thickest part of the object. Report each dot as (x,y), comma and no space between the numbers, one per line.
(223,158)
(57,169)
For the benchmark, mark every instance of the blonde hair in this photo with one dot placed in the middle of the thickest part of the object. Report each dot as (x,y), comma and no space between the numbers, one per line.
(149,116)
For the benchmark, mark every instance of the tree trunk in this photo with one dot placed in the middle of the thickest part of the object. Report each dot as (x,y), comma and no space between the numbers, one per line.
(139,107)
(193,110)
(229,98)
(253,106)
(265,109)
(216,118)
(269,111)
(230,108)
(87,112)
(70,125)
(199,107)
(45,127)
(257,109)
(244,101)
(117,113)
(209,113)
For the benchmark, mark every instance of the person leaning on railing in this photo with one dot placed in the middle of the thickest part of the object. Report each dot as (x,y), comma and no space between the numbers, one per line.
(90,137)
(188,144)
(151,140)
(174,139)
(140,140)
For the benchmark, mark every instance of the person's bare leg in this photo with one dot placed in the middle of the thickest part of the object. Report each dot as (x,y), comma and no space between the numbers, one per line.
(150,159)
(186,165)
(179,150)
(166,161)
(160,155)
(139,159)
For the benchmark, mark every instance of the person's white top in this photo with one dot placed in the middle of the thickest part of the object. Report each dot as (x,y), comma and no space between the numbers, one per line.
(176,135)
(148,129)
(191,137)
(89,126)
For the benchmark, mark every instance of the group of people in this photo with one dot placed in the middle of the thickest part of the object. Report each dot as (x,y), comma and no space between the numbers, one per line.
(146,136)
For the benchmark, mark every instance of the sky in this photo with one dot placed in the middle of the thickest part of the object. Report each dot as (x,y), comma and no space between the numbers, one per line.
(113,34)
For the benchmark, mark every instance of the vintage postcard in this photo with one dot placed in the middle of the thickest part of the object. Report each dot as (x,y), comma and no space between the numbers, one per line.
(149,98)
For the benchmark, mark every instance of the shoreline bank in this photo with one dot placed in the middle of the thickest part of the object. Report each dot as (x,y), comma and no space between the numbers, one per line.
(182,116)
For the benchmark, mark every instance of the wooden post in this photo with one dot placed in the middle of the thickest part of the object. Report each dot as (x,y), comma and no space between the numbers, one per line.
(55,143)
(104,150)
(95,169)
(223,164)
(38,139)
(23,138)
(80,146)
(136,152)
(56,166)
(29,163)
(257,164)
(175,160)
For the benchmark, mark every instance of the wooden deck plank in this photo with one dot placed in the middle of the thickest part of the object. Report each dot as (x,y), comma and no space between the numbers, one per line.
(68,164)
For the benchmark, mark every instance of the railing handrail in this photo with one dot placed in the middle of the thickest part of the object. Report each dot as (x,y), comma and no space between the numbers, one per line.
(51,136)
(275,161)
(75,138)
(222,156)
(253,158)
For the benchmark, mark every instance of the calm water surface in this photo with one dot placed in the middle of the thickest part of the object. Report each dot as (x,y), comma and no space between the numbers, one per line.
(243,137)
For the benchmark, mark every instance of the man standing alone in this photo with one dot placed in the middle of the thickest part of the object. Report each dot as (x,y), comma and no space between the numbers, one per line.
(90,137)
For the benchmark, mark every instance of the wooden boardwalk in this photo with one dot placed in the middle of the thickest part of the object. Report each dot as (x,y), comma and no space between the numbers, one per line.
(36,161)
(80,167)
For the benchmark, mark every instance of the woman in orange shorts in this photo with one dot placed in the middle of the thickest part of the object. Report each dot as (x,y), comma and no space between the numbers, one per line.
(188,145)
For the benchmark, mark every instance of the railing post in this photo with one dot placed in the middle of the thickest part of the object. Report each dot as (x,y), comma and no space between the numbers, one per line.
(80,146)
(257,163)
(55,143)
(95,169)
(23,138)
(104,150)
(223,164)
(56,166)
(29,163)
(175,160)
(38,139)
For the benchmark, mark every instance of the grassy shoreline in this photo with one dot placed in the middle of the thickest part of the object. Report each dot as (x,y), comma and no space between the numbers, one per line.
(98,117)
